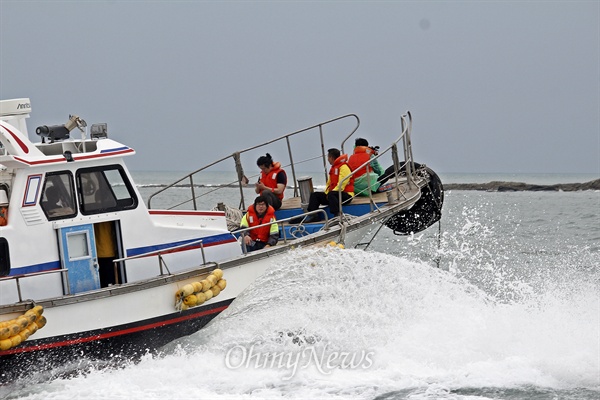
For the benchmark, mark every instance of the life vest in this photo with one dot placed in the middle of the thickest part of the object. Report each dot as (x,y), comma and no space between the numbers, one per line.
(270,179)
(3,216)
(361,155)
(260,234)
(334,174)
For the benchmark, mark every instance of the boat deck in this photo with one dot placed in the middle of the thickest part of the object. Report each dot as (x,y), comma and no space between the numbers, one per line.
(379,197)
(295,202)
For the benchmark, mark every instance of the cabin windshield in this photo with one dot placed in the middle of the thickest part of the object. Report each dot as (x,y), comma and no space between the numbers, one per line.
(105,189)
(58,199)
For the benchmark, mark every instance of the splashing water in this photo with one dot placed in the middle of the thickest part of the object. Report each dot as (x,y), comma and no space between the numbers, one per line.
(331,323)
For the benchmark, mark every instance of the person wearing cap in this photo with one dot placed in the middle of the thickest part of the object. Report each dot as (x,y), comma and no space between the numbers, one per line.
(265,236)
(272,181)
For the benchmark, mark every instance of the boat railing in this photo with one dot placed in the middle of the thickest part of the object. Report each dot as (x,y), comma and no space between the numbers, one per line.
(159,254)
(65,276)
(281,224)
(17,279)
(408,164)
(242,180)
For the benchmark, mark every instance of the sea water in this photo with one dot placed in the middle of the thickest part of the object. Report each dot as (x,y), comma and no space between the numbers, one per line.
(500,301)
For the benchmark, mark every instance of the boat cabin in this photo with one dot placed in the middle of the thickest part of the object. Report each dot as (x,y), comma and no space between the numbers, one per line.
(68,204)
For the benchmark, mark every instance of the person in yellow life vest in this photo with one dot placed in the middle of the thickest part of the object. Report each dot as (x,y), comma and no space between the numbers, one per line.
(272,181)
(337,185)
(367,176)
(265,236)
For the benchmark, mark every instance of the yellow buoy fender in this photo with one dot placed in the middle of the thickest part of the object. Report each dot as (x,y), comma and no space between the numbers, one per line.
(17,330)
(190,300)
(186,290)
(212,279)
(9,331)
(196,293)
(24,334)
(197,287)
(37,310)
(218,273)
(201,298)
(205,285)
(32,328)
(40,322)
(5,344)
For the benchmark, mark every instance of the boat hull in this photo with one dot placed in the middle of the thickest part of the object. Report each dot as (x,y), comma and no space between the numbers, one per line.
(126,321)
(113,344)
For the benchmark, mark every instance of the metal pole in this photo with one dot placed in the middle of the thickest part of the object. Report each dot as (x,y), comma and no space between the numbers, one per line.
(203,255)
(116,272)
(323,152)
(287,140)
(19,290)
(193,193)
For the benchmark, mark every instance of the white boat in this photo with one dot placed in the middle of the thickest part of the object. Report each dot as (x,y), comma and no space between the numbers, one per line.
(54,194)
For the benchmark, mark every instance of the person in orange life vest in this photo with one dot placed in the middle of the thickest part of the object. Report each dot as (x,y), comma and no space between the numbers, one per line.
(337,173)
(265,236)
(367,176)
(4,212)
(272,181)
(3,215)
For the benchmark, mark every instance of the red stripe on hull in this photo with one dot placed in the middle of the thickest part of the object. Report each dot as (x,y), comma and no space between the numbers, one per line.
(75,158)
(168,212)
(22,145)
(112,334)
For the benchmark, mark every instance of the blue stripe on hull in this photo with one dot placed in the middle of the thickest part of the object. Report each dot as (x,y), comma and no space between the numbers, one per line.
(208,241)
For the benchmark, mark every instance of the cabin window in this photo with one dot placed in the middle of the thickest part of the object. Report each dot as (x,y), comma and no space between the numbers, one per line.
(58,199)
(105,189)
(4,258)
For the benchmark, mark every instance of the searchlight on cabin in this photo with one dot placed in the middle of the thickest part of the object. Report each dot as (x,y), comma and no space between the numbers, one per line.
(60,132)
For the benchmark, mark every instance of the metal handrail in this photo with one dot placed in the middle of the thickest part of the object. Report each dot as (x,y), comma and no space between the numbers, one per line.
(17,279)
(408,159)
(280,224)
(65,276)
(159,254)
(242,180)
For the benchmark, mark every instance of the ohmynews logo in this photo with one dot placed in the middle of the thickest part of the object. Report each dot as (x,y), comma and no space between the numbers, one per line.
(241,357)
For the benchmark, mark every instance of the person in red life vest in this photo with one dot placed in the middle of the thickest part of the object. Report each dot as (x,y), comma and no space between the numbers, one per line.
(336,185)
(272,181)
(265,236)
(367,176)
(3,214)
(3,206)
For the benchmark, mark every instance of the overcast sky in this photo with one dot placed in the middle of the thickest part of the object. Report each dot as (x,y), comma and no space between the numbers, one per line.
(503,86)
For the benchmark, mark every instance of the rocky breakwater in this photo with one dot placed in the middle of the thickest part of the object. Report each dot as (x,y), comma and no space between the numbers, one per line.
(501,186)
